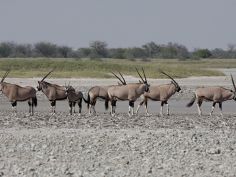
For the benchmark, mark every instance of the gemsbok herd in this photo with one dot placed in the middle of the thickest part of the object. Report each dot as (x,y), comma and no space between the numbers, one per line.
(122,91)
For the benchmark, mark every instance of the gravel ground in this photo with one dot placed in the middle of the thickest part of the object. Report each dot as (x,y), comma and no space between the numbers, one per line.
(182,144)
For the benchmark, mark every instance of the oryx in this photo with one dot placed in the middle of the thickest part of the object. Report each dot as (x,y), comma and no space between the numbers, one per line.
(214,94)
(52,91)
(160,93)
(17,93)
(130,92)
(74,97)
(101,92)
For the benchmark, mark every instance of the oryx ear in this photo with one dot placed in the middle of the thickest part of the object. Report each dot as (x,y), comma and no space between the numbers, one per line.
(119,83)
(140,81)
(38,81)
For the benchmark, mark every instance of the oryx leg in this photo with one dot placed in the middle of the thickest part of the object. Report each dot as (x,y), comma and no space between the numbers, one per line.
(167,108)
(113,105)
(53,106)
(140,104)
(80,105)
(199,103)
(131,108)
(94,103)
(213,107)
(90,107)
(220,106)
(161,110)
(13,104)
(70,107)
(30,103)
(146,108)
(74,103)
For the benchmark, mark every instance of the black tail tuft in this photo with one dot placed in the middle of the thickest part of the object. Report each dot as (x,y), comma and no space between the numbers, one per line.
(86,101)
(35,101)
(106,104)
(191,101)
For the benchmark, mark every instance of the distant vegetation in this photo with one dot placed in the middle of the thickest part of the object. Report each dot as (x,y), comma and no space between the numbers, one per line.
(100,49)
(70,67)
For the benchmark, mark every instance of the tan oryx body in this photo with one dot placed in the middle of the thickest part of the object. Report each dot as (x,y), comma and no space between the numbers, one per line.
(160,93)
(17,93)
(214,94)
(130,92)
(74,97)
(101,92)
(52,91)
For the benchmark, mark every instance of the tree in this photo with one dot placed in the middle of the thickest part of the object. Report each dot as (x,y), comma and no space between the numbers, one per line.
(152,49)
(135,52)
(202,53)
(6,49)
(23,50)
(46,49)
(99,49)
(84,52)
(118,53)
(64,51)
(219,53)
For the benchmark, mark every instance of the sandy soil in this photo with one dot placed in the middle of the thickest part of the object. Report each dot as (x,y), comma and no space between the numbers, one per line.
(182,144)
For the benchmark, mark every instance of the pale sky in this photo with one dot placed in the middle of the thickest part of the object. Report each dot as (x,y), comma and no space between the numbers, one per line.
(121,23)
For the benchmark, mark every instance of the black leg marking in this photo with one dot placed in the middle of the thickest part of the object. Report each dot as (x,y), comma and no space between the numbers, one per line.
(162,103)
(214,104)
(14,104)
(131,104)
(220,106)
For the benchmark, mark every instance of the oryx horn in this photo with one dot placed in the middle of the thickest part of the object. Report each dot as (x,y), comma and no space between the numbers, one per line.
(139,75)
(123,82)
(47,75)
(122,78)
(144,75)
(168,76)
(5,75)
(232,79)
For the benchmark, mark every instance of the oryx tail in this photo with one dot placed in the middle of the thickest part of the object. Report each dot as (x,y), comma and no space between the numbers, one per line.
(191,101)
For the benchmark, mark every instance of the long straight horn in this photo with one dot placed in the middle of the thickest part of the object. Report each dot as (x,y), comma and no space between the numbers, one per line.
(5,75)
(47,75)
(232,79)
(124,83)
(118,78)
(139,75)
(144,75)
(168,76)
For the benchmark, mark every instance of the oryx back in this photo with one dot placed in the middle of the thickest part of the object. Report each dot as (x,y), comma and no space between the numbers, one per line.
(17,93)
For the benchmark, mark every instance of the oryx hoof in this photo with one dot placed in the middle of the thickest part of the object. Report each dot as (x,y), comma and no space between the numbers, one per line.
(148,114)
